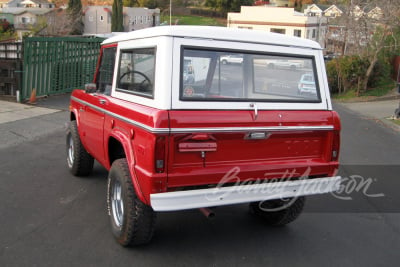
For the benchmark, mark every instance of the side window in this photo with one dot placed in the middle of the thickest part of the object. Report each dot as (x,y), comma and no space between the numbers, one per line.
(106,71)
(136,71)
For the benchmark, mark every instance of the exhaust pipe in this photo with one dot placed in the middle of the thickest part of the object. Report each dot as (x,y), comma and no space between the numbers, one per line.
(207,212)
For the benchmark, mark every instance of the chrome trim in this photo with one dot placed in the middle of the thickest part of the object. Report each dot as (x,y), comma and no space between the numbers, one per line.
(206,130)
(122,118)
(252,129)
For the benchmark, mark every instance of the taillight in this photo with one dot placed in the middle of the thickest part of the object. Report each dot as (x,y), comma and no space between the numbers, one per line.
(335,145)
(159,154)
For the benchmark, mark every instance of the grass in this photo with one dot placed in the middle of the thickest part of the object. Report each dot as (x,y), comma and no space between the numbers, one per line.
(193,20)
(382,89)
(396,122)
(350,94)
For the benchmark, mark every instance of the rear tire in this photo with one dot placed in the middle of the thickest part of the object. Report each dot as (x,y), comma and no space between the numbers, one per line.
(278,212)
(80,162)
(132,221)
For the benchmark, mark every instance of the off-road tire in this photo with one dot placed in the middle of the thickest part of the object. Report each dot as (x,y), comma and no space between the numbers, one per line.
(137,220)
(79,161)
(279,217)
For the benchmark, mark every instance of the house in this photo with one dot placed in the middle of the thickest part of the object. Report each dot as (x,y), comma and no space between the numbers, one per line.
(280,20)
(374,12)
(97,19)
(3,3)
(24,19)
(24,14)
(29,4)
(331,11)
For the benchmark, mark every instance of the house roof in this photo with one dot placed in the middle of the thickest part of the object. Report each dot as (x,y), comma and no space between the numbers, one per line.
(20,10)
(323,7)
(22,1)
(217,33)
(368,9)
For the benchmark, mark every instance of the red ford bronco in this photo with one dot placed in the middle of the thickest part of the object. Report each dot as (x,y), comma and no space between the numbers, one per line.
(179,129)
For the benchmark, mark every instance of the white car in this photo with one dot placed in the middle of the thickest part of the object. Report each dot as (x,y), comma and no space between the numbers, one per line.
(231,59)
(283,63)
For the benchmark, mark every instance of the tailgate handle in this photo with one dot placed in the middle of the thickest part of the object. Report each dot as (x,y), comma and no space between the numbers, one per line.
(257,136)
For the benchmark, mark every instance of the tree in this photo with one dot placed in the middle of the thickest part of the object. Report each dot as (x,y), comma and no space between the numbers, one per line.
(117,18)
(58,23)
(6,31)
(130,3)
(300,4)
(376,29)
(75,16)
(368,27)
(228,5)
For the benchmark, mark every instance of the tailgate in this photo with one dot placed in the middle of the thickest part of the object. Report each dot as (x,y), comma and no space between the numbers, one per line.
(207,148)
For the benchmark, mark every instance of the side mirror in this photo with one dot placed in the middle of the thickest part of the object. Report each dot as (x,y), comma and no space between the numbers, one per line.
(90,88)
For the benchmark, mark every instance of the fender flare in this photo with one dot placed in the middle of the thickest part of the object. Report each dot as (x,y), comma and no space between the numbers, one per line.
(126,142)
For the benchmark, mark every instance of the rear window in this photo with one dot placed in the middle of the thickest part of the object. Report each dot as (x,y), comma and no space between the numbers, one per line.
(208,75)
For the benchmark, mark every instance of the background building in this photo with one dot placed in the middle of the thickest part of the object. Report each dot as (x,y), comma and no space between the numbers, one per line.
(280,20)
(97,19)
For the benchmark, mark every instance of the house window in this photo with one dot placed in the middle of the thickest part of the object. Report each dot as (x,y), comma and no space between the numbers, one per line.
(297,33)
(281,31)
(313,33)
(25,20)
(101,18)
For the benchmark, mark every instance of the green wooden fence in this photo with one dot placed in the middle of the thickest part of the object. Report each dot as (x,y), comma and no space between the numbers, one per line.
(55,65)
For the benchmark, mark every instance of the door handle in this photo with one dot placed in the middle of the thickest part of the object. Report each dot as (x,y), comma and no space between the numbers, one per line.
(102,101)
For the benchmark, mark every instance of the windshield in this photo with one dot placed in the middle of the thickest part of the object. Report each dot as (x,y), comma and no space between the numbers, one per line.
(208,75)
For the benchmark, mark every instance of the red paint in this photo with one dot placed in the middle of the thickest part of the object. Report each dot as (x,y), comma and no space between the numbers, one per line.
(193,159)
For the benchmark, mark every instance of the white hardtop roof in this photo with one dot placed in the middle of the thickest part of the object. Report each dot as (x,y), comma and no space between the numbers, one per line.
(217,33)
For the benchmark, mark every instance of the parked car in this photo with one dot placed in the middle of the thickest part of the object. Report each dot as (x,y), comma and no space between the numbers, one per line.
(284,63)
(307,84)
(231,59)
(228,138)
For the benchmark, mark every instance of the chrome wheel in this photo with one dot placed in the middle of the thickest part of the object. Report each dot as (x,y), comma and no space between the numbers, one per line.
(117,204)
(71,151)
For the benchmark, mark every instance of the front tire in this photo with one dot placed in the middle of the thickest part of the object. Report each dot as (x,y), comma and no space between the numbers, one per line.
(132,221)
(278,212)
(80,162)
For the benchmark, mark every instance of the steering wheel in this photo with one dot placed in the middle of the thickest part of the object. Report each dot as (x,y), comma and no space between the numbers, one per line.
(146,79)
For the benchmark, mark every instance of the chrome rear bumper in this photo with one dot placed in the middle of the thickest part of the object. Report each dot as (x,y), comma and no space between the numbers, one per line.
(190,199)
